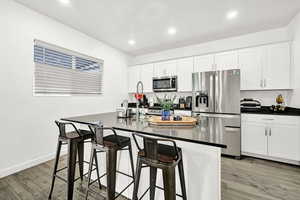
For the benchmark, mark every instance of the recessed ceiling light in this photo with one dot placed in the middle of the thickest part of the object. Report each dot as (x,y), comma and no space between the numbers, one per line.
(131,42)
(65,2)
(232,14)
(172,31)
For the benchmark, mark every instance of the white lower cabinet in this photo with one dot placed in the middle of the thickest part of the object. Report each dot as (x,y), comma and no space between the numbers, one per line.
(254,139)
(271,136)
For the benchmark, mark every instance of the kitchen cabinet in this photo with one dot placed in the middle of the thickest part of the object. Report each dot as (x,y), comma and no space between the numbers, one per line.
(133,78)
(254,139)
(226,60)
(146,75)
(265,67)
(271,136)
(204,63)
(185,69)
(250,62)
(277,64)
(166,68)
(284,141)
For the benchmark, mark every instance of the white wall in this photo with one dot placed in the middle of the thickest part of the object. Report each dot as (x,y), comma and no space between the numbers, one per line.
(28,133)
(253,39)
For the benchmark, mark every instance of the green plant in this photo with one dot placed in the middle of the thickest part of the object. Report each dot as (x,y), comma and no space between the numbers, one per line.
(166,103)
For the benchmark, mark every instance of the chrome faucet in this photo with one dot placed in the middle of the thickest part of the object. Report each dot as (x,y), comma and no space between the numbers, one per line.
(139,86)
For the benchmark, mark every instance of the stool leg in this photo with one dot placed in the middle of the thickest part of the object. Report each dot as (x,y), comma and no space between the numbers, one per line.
(72,152)
(153,175)
(169,183)
(97,168)
(111,166)
(137,179)
(90,171)
(182,179)
(131,160)
(55,167)
(80,148)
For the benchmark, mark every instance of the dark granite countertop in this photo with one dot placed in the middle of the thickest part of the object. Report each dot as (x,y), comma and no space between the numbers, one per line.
(195,134)
(289,111)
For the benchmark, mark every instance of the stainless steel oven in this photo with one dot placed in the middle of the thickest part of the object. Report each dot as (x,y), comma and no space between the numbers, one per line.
(165,84)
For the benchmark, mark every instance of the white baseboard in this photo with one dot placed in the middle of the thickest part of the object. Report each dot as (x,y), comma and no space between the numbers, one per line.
(28,164)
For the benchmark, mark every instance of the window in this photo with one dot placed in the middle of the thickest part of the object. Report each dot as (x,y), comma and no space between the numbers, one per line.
(62,71)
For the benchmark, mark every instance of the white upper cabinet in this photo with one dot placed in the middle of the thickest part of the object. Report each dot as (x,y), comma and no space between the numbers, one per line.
(185,69)
(204,63)
(166,68)
(226,60)
(250,62)
(146,73)
(277,66)
(133,78)
(262,68)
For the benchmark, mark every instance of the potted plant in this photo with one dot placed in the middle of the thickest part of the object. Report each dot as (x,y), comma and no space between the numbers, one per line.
(167,105)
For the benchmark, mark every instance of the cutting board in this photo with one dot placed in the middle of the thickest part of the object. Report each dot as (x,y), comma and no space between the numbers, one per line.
(186,121)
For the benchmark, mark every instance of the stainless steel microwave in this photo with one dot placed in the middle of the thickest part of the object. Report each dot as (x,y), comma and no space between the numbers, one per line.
(165,84)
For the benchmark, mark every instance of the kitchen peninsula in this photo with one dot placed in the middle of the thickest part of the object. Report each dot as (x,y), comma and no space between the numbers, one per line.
(201,154)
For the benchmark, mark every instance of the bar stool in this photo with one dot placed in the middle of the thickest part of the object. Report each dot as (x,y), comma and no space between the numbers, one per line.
(75,140)
(159,156)
(110,145)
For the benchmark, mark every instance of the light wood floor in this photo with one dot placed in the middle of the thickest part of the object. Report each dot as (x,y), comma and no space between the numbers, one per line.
(247,179)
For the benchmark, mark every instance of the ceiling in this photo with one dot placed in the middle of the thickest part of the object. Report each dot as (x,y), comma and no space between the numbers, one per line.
(146,21)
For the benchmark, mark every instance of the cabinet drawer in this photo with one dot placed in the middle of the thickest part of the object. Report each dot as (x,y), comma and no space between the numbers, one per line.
(274,119)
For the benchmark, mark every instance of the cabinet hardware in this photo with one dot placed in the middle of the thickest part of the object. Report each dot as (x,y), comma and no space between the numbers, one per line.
(266,132)
(268,119)
(270,132)
(261,83)
(265,83)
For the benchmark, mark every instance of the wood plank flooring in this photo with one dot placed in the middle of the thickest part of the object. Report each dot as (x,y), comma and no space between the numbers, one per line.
(246,179)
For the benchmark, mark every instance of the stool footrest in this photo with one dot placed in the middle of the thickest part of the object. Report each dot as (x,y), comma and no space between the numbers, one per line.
(158,187)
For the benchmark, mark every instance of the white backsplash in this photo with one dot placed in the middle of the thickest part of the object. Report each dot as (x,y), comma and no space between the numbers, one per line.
(267,97)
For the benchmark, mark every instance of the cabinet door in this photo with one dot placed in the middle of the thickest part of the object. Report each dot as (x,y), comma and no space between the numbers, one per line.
(146,76)
(277,66)
(284,141)
(167,68)
(185,69)
(254,138)
(250,62)
(204,63)
(133,78)
(226,60)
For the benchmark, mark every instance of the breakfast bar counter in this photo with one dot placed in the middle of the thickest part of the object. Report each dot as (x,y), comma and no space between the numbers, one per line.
(201,154)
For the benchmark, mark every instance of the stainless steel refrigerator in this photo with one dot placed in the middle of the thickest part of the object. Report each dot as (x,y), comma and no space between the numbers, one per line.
(216,99)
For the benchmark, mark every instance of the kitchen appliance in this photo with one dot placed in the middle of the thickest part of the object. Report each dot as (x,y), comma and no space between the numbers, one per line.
(188,102)
(165,84)
(249,104)
(216,99)
(182,103)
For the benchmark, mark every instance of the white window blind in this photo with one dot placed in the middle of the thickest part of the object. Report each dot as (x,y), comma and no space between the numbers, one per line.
(62,71)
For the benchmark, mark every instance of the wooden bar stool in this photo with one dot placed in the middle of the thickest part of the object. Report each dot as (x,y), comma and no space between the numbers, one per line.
(110,145)
(75,141)
(159,156)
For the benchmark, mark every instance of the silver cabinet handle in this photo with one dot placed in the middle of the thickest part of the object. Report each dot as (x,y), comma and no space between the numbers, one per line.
(266,132)
(270,132)
(268,119)
(261,83)
(265,83)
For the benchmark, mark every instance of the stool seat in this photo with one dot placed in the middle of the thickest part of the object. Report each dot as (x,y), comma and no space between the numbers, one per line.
(166,153)
(112,141)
